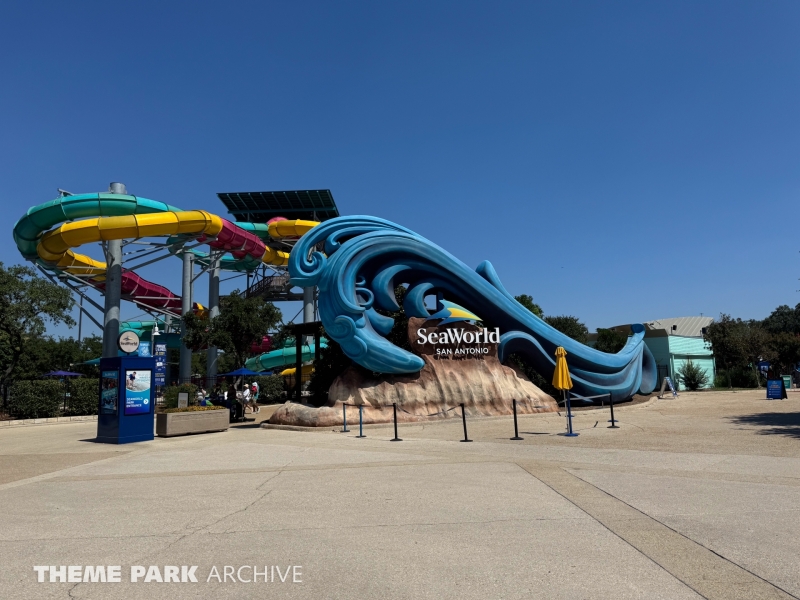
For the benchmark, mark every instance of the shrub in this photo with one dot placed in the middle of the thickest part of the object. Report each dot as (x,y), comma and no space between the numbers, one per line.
(84,397)
(193,409)
(35,399)
(692,376)
(171,394)
(270,388)
(738,377)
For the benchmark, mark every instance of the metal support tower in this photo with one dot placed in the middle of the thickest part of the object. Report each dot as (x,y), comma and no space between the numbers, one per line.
(213,311)
(185,368)
(113,288)
(308,307)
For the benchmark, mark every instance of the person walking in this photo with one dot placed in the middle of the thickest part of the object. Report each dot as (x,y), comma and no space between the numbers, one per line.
(254,392)
(247,398)
(233,402)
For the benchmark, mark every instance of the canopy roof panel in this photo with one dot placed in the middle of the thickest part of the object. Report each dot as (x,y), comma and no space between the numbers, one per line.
(260,207)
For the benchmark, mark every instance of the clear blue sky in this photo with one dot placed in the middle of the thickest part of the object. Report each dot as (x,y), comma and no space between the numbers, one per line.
(617,161)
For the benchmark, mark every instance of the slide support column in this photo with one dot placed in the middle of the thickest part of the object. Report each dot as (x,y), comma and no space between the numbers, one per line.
(213,311)
(113,288)
(185,368)
(308,308)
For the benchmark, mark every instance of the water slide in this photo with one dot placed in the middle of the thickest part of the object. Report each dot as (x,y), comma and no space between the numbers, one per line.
(283,356)
(47,234)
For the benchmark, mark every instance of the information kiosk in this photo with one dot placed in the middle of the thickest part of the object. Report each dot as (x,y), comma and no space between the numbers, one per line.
(125,411)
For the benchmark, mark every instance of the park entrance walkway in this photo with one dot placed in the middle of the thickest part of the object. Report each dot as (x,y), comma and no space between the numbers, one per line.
(690,498)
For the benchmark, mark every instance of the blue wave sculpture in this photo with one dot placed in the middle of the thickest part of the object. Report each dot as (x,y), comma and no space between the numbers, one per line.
(365,258)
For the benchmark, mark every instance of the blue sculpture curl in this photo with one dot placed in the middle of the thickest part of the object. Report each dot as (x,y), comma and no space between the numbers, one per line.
(365,258)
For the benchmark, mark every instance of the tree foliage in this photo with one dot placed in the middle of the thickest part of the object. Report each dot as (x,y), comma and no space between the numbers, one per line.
(241,321)
(27,304)
(783,320)
(44,354)
(726,340)
(610,340)
(527,302)
(570,326)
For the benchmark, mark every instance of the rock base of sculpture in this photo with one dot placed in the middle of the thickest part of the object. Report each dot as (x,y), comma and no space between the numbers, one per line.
(484,386)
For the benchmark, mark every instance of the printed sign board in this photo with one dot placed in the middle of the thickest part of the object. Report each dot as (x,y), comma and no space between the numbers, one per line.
(183,399)
(775,389)
(109,392)
(144,349)
(667,382)
(137,392)
(160,373)
(128,341)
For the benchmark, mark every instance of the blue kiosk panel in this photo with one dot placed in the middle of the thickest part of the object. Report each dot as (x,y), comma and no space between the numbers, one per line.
(125,411)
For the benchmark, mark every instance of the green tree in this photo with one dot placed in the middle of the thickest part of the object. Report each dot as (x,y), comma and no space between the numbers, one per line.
(755,345)
(783,320)
(27,303)
(569,326)
(610,340)
(785,351)
(527,302)
(241,321)
(726,336)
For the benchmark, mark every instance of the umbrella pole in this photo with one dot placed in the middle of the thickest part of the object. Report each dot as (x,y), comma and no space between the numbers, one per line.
(570,432)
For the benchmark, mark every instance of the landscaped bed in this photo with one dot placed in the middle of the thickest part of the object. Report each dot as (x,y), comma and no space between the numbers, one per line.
(192,419)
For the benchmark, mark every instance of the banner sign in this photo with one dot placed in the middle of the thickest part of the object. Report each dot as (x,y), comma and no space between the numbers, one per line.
(144,349)
(137,392)
(667,382)
(161,364)
(109,392)
(776,389)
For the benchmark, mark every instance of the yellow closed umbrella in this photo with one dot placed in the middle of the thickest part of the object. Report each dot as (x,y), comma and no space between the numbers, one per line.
(561,378)
(562,381)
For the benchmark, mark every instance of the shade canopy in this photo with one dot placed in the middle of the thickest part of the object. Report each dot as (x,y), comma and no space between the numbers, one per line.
(561,378)
(62,374)
(238,372)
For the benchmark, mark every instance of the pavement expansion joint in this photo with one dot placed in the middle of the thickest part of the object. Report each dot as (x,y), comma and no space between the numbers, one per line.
(703,570)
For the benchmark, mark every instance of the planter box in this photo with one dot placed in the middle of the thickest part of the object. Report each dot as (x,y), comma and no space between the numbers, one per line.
(183,423)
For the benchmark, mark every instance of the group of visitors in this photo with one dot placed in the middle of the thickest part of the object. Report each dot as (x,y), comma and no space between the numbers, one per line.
(248,396)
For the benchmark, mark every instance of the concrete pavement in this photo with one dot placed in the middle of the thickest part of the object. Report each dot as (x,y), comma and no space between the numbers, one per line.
(690,498)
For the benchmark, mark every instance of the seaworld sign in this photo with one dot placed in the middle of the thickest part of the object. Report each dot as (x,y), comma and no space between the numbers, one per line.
(455,337)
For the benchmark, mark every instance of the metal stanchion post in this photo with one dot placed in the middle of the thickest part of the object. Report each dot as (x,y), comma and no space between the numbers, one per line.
(344,418)
(361,421)
(464,421)
(394,411)
(613,421)
(516,429)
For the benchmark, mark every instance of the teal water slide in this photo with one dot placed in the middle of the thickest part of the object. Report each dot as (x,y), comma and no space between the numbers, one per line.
(286,356)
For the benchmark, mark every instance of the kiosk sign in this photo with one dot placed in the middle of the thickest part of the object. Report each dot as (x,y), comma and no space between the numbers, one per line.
(161,364)
(128,342)
(109,392)
(137,392)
